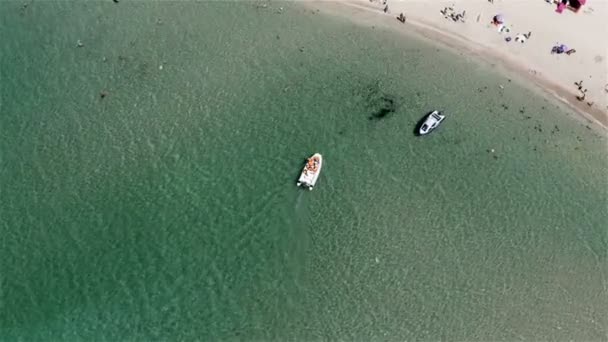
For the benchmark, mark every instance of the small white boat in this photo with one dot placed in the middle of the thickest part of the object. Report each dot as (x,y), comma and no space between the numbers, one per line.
(432,121)
(311,171)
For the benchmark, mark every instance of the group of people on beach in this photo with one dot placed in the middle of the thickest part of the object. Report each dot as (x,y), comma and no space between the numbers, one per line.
(498,20)
(561,48)
(583,92)
(449,13)
(574,5)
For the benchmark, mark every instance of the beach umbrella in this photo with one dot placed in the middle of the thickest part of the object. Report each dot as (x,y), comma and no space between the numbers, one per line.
(499,18)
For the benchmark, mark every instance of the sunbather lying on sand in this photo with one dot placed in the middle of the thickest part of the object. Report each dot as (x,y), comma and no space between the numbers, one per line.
(559,49)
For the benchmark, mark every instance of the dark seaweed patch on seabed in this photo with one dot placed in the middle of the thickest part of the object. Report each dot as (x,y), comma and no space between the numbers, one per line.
(385,106)
(380,104)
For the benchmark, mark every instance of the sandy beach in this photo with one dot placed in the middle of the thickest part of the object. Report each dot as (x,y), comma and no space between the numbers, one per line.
(556,74)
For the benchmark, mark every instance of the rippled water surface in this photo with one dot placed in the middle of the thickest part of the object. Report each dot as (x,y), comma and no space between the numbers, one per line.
(167,209)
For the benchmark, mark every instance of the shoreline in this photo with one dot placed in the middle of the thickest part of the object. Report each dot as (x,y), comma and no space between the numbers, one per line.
(365,12)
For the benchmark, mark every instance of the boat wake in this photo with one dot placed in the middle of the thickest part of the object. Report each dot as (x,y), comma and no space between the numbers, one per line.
(301,214)
(299,240)
(299,201)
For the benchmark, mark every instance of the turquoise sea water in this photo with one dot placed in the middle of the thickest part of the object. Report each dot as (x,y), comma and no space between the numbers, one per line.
(167,209)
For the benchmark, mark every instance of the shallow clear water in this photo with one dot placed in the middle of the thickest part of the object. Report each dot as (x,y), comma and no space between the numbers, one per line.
(167,209)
